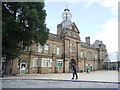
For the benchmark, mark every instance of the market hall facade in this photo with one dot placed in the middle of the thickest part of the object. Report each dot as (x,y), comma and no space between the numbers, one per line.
(60,51)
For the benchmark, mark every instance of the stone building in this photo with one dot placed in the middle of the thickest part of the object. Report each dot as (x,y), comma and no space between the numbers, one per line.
(60,51)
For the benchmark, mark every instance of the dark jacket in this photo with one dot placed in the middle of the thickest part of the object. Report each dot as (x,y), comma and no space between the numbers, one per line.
(74,69)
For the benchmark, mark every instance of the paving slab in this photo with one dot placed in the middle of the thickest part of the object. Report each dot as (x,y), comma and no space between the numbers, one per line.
(95,76)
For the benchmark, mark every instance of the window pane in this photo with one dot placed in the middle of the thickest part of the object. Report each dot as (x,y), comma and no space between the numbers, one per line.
(40,48)
(59,63)
(46,48)
(35,62)
(58,50)
(81,54)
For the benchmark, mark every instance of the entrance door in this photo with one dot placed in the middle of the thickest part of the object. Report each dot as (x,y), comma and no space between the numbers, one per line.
(70,63)
(23,68)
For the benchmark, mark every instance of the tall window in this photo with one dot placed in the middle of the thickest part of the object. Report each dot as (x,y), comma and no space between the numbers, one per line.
(58,50)
(59,63)
(81,53)
(72,48)
(90,55)
(46,49)
(95,56)
(40,48)
(85,54)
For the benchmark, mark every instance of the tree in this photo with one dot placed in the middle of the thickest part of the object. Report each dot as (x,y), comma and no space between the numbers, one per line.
(22,21)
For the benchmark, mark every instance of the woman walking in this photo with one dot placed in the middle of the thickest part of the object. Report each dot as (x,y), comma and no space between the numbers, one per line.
(74,69)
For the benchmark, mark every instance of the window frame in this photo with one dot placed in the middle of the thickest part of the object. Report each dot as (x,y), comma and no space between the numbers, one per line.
(40,48)
(58,50)
(46,50)
(59,63)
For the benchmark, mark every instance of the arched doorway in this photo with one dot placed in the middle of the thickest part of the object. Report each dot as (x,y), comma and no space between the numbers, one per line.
(71,62)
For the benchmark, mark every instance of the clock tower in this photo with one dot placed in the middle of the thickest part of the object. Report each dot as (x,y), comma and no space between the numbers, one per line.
(66,19)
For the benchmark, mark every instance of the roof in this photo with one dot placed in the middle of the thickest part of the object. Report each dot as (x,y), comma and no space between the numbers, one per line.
(54,36)
(87,46)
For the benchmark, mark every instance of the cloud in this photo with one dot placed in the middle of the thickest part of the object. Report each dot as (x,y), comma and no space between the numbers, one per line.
(109,35)
(112,4)
(109,31)
(88,3)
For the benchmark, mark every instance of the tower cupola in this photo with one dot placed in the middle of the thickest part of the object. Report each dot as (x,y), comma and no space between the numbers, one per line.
(66,19)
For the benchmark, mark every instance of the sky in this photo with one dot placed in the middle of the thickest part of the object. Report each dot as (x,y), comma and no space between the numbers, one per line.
(95,18)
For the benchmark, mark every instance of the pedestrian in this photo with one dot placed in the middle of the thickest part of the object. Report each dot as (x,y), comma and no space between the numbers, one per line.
(74,71)
(88,70)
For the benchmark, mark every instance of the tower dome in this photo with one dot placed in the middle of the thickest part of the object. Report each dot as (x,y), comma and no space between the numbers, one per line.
(66,15)
(66,22)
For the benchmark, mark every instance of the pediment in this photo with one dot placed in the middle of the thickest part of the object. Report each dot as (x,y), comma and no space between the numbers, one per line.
(73,27)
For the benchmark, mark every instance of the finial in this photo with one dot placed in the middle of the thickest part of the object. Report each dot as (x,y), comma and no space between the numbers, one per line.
(66,6)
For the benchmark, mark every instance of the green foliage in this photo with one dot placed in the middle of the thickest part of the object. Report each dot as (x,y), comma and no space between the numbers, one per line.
(22,21)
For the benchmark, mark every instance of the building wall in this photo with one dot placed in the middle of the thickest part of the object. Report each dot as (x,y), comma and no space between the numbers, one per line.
(83,56)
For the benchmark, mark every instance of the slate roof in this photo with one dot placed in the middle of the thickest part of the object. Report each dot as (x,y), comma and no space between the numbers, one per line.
(87,45)
(54,36)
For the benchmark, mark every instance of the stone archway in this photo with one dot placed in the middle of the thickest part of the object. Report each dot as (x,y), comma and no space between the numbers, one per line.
(71,62)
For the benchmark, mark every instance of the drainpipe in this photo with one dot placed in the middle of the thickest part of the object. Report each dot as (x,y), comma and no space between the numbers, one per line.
(84,65)
(77,56)
(64,57)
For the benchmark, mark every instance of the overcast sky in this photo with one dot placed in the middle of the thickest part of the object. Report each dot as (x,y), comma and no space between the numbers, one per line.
(95,18)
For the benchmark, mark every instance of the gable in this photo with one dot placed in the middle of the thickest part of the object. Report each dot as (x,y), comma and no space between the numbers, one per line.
(73,27)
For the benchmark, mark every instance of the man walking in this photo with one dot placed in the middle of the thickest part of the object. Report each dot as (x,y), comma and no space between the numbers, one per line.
(74,69)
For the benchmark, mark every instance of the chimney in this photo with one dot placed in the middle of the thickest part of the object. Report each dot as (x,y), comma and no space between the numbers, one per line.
(88,40)
(59,29)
